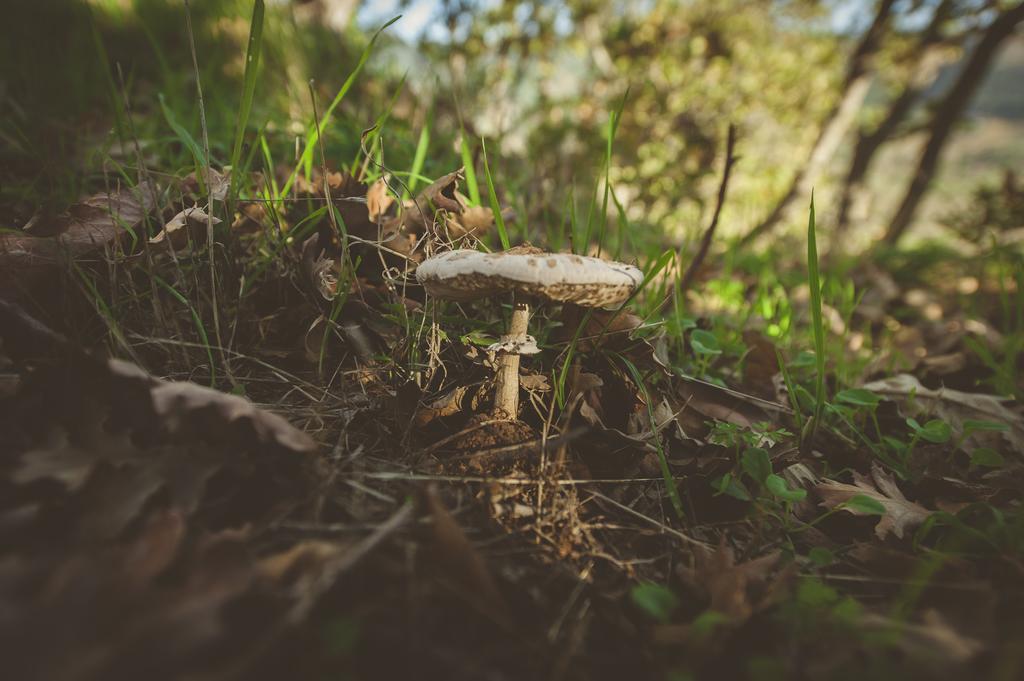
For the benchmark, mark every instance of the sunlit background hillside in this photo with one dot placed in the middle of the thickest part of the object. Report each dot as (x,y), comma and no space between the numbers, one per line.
(538,81)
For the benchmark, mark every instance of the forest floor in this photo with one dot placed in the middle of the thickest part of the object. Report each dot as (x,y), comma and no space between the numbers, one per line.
(803,465)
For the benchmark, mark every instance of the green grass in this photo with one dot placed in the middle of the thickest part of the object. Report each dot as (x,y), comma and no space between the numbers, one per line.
(419,159)
(817,323)
(197,321)
(670,483)
(492,195)
(252,62)
(472,186)
(305,161)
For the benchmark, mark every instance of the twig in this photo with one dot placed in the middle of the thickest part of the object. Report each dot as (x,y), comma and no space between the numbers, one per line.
(662,526)
(344,562)
(705,243)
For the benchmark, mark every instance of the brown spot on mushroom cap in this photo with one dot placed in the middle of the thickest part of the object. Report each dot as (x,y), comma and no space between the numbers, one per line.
(586,281)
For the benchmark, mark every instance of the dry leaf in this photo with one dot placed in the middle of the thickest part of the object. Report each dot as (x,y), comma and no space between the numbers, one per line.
(217,184)
(538,382)
(736,591)
(156,548)
(378,200)
(760,364)
(321,273)
(448,404)
(93,224)
(472,220)
(181,405)
(301,564)
(461,562)
(934,642)
(952,406)
(713,403)
(900,514)
(603,328)
(174,229)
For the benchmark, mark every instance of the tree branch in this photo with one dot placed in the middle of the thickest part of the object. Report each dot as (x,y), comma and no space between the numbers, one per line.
(709,233)
(949,112)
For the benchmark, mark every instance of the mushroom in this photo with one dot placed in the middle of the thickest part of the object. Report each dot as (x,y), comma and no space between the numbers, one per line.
(530,274)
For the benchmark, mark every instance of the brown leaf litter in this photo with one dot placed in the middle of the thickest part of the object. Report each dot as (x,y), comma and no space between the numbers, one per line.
(953,406)
(900,516)
(87,227)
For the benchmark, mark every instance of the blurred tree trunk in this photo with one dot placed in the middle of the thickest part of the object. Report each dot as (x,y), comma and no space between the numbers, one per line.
(948,113)
(869,142)
(839,120)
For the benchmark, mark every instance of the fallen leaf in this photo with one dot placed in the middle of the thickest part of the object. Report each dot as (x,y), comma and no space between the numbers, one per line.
(174,228)
(217,184)
(538,382)
(900,514)
(600,328)
(448,404)
(378,200)
(468,220)
(713,403)
(91,225)
(735,590)
(461,562)
(933,642)
(760,364)
(321,271)
(181,405)
(953,406)
(156,548)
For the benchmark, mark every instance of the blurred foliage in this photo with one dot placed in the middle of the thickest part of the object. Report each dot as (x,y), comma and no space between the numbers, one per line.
(689,69)
(994,208)
(538,79)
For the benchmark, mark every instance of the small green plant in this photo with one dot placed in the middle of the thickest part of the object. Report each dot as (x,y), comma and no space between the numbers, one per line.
(705,347)
(934,431)
(755,473)
(735,436)
(817,605)
(656,600)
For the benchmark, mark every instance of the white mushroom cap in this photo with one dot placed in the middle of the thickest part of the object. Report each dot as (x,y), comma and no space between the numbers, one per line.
(560,277)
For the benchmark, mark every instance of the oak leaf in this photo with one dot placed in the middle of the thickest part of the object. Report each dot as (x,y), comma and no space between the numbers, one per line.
(900,513)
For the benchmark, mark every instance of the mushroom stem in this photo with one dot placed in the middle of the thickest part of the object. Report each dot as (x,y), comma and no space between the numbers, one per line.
(506,384)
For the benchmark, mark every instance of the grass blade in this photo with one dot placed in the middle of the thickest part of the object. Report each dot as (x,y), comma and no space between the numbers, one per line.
(101,55)
(196,321)
(666,472)
(570,352)
(613,126)
(791,391)
(313,135)
(495,208)
(186,138)
(818,326)
(419,158)
(472,186)
(252,60)
(372,137)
